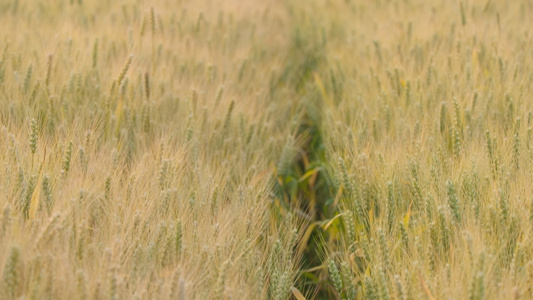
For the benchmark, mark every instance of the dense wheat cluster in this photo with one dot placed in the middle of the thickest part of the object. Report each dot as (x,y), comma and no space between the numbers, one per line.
(281,149)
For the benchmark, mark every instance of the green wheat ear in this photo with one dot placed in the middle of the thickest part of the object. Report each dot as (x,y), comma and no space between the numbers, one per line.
(12,274)
(47,193)
(124,71)
(350,228)
(348,281)
(164,174)
(400,290)
(453,200)
(67,159)
(48,71)
(33,136)
(463,14)
(228,117)
(370,288)
(152,20)
(383,289)
(5,221)
(221,281)
(335,276)
(107,189)
(457,129)
(83,160)
(95,54)
(113,285)
(147,85)
(282,287)
(27,79)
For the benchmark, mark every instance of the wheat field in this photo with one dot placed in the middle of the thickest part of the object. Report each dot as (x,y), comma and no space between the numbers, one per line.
(277,149)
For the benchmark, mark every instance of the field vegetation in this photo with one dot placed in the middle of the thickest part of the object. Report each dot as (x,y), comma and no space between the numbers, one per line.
(281,149)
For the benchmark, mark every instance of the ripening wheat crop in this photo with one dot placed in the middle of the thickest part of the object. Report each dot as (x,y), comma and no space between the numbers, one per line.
(428,130)
(281,149)
(137,144)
